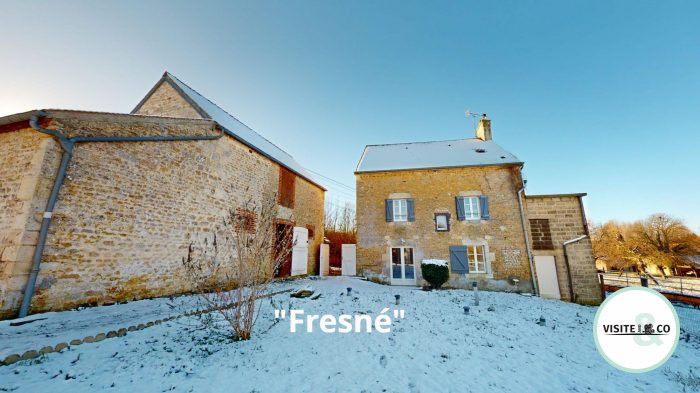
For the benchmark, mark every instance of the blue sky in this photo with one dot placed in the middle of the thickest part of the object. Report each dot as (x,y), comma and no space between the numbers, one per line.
(598,97)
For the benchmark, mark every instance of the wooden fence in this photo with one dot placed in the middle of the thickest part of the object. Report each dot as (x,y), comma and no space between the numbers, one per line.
(689,286)
(683,292)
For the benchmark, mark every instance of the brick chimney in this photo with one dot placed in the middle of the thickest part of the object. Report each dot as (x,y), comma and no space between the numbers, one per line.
(483,131)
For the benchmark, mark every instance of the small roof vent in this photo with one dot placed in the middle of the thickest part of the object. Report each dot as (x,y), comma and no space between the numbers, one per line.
(480,150)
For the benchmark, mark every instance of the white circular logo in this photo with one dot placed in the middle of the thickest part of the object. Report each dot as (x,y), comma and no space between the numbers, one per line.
(636,329)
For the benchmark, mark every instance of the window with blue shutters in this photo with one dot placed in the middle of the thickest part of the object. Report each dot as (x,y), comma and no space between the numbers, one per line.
(472,208)
(389,208)
(459,201)
(400,210)
(476,255)
(484,207)
(458,259)
(469,259)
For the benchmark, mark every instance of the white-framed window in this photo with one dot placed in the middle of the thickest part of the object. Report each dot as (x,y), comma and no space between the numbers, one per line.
(400,207)
(471,208)
(402,267)
(442,222)
(476,255)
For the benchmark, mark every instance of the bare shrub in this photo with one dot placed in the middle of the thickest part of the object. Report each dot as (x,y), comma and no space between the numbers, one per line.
(232,268)
(690,381)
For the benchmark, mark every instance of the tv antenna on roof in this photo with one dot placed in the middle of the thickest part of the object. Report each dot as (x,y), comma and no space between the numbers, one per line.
(474,116)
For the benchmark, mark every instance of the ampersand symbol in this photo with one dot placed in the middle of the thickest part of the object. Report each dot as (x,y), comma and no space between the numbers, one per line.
(647,320)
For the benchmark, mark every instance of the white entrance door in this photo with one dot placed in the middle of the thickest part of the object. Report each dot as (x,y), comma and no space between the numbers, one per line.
(348,259)
(403,270)
(300,251)
(547,277)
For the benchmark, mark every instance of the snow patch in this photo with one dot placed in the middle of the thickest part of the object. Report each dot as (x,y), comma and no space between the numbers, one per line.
(436,262)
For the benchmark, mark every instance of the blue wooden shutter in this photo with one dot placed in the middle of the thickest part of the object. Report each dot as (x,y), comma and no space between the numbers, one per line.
(458,259)
(389,210)
(484,206)
(409,208)
(459,201)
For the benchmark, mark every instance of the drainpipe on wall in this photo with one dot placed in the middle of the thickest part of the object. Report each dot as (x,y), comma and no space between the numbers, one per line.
(527,242)
(67,144)
(568,268)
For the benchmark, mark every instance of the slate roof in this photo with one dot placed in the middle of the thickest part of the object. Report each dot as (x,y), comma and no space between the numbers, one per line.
(437,154)
(209,110)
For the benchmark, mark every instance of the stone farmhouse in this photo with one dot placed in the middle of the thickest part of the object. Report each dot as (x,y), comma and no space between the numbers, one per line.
(101,207)
(463,201)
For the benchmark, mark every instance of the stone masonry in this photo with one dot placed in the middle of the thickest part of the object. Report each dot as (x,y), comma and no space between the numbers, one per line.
(127,211)
(434,191)
(567,221)
(166,101)
(26,166)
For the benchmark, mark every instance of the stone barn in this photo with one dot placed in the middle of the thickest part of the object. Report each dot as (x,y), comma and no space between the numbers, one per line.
(101,207)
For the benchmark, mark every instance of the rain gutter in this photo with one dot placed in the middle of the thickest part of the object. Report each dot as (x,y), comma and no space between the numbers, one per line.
(68,144)
(568,268)
(527,241)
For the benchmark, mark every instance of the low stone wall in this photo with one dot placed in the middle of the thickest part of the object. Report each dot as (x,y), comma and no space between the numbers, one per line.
(33,354)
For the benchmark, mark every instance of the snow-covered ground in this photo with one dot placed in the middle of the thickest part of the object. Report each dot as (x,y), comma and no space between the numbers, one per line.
(434,348)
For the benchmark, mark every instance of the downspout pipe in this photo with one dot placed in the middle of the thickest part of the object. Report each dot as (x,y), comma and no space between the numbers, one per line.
(527,242)
(48,212)
(67,144)
(568,267)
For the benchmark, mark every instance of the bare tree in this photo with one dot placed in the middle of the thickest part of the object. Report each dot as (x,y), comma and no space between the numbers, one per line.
(611,246)
(664,241)
(339,218)
(659,240)
(231,269)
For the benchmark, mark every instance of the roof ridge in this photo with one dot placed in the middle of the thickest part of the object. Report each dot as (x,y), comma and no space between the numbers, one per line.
(413,143)
(124,114)
(168,74)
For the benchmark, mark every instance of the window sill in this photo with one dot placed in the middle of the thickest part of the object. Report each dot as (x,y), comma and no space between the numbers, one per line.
(476,275)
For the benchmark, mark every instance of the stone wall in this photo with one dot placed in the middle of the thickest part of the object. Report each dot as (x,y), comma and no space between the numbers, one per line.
(24,178)
(567,221)
(128,211)
(434,191)
(166,101)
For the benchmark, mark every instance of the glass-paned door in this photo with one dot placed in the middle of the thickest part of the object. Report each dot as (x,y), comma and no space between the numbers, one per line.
(403,270)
